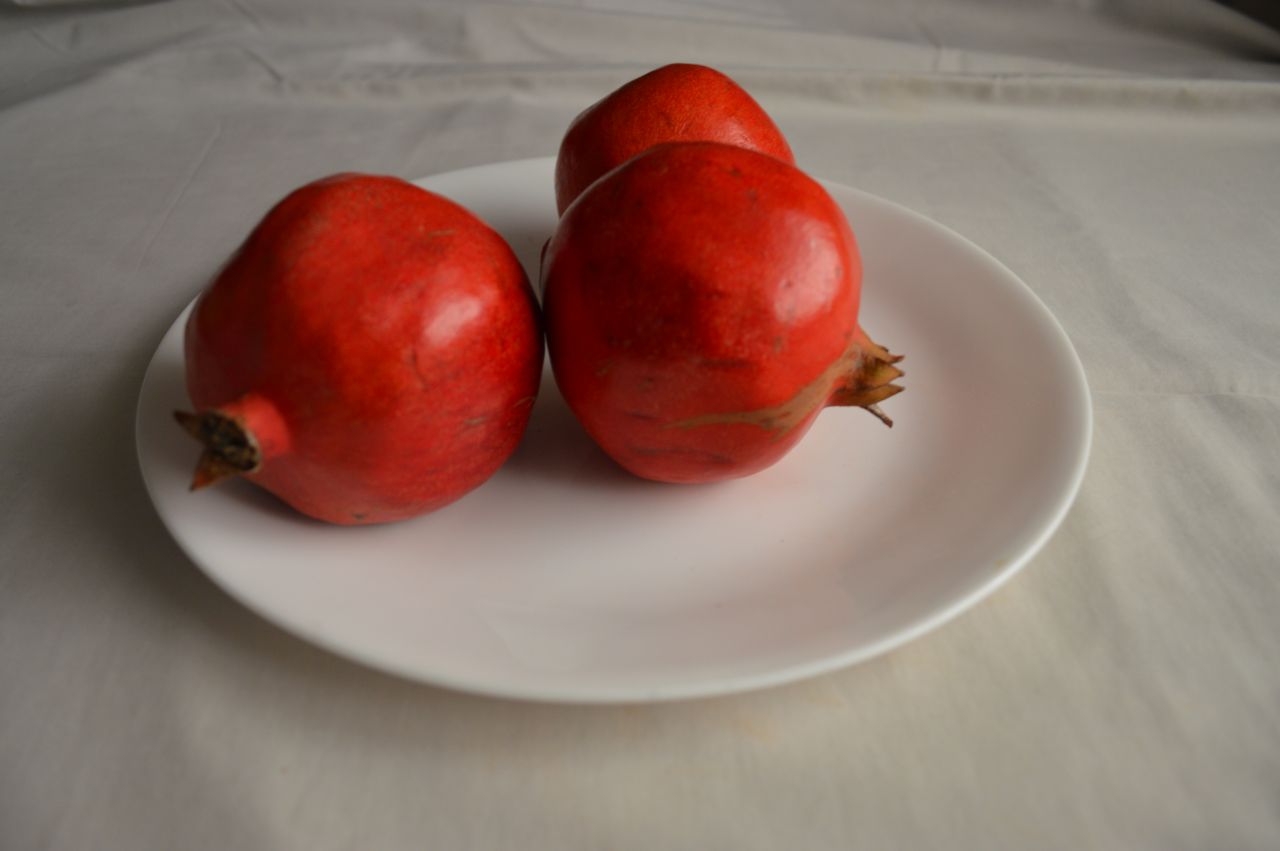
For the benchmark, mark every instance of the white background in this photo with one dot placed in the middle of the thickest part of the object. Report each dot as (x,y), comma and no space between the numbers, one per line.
(1123,692)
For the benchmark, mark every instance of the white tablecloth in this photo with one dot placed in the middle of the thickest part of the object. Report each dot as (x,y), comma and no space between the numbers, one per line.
(1122,692)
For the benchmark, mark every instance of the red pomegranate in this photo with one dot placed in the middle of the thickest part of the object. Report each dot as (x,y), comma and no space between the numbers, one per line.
(701,304)
(675,103)
(370,353)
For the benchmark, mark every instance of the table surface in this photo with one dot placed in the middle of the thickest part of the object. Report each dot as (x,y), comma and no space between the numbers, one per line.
(1122,692)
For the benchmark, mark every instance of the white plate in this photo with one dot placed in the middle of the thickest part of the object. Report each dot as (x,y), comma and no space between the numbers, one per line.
(564,578)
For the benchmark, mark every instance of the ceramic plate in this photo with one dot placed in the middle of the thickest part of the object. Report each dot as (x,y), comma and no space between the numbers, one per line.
(564,578)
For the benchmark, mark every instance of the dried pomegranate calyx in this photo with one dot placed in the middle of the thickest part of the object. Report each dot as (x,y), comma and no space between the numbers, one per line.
(238,436)
(870,381)
(230,449)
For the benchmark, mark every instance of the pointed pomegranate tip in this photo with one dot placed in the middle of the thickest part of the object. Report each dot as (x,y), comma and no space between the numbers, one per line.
(881,415)
(211,469)
(870,381)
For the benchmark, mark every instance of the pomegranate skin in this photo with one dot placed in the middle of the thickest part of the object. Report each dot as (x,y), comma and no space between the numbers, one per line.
(701,304)
(674,103)
(378,344)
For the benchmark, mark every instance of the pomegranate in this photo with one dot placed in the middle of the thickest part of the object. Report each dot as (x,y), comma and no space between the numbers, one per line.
(675,103)
(371,352)
(701,304)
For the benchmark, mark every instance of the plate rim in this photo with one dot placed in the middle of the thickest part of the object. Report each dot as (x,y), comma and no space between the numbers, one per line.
(709,687)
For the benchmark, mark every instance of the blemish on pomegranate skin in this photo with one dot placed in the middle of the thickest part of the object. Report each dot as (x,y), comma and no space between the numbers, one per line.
(780,419)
